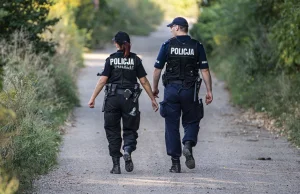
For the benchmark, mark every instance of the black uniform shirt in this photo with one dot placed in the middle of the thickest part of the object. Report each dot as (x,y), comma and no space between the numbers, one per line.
(140,71)
(163,53)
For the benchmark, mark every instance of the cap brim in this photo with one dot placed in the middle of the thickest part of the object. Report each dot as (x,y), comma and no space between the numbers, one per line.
(169,25)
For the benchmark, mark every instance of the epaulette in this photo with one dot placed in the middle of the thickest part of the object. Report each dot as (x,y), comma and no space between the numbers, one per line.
(196,41)
(112,54)
(133,54)
(168,41)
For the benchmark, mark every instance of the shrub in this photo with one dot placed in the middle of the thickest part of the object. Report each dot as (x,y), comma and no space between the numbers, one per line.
(254,46)
(36,93)
(133,16)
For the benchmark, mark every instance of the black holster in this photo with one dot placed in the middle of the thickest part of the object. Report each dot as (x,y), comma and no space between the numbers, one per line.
(137,92)
(197,88)
(164,80)
(107,90)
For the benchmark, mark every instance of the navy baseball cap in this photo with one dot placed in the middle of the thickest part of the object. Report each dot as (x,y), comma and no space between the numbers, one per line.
(179,21)
(121,37)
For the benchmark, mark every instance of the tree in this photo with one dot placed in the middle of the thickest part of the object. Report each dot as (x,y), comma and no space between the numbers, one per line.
(29,16)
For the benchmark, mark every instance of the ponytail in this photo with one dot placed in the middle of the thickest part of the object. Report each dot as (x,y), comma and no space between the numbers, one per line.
(126,49)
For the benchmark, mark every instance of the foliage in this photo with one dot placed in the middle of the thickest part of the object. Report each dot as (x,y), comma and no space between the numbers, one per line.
(2,14)
(97,23)
(137,17)
(8,184)
(31,140)
(133,16)
(184,8)
(254,46)
(71,44)
(39,88)
(41,97)
(28,16)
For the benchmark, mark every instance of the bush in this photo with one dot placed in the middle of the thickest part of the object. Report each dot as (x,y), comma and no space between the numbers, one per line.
(8,184)
(133,16)
(254,46)
(34,91)
(137,17)
(39,88)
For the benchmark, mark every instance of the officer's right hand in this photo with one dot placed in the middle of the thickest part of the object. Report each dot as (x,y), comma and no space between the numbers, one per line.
(92,103)
(154,105)
(208,98)
(155,93)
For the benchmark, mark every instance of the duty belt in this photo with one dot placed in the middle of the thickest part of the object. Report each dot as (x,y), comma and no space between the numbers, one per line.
(121,91)
(134,93)
(175,81)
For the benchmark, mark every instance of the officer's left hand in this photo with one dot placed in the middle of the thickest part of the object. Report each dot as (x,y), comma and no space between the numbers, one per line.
(92,103)
(154,105)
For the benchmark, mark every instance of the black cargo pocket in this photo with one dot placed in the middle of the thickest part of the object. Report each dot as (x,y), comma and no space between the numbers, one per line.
(131,121)
(200,111)
(162,109)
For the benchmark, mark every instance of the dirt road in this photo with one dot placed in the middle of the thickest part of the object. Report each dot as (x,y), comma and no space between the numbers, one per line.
(226,154)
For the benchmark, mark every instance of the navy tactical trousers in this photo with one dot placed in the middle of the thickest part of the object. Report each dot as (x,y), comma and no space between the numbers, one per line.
(175,101)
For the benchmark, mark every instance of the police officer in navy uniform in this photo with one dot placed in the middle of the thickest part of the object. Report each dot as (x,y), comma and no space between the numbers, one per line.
(184,57)
(120,74)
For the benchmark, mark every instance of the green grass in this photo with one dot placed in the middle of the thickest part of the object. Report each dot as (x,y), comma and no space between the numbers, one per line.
(41,91)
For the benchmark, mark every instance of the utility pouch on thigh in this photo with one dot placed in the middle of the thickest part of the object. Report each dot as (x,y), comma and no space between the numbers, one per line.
(132,119)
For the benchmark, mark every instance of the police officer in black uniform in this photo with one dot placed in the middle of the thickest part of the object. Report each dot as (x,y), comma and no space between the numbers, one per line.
(122,90)
(184,57)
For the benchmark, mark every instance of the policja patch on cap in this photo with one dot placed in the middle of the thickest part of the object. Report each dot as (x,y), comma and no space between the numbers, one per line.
(179,21)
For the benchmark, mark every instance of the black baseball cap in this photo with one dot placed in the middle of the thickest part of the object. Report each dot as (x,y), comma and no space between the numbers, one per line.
(179,21)
(121,37)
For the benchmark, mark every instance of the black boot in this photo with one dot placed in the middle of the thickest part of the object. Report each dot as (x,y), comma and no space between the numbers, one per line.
(128,161)
(116,166)
(175,168)
(188,153)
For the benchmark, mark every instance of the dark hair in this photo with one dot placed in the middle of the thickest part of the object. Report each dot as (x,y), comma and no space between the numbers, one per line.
(125,47)
(184,28)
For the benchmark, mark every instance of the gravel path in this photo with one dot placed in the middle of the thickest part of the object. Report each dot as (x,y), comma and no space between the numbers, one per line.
(226,154)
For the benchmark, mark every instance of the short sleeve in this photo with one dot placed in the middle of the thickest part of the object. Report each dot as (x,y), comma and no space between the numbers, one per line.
(140,70)
(162,56)
(107,68)
(203,64)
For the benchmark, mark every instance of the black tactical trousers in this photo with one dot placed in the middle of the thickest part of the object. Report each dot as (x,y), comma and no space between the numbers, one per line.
(118,107)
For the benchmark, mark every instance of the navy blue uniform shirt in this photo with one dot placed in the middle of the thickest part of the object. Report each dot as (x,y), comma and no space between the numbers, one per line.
(140,71)
(163,53)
